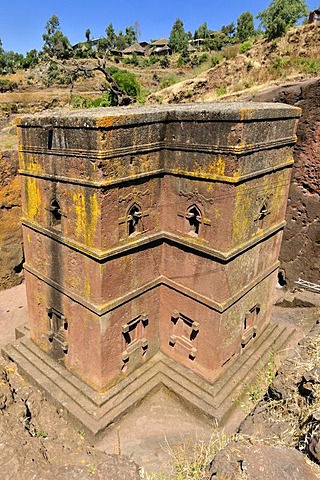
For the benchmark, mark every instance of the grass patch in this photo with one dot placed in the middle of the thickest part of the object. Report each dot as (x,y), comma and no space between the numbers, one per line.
(221,89)
(168,80)
(230,51)
(245,46)
(295,411)
(309,65)
(189,460)
(255,391)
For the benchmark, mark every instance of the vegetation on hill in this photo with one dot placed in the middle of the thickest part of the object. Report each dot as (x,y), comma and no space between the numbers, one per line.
(101,72)
(281,15)
(243,70)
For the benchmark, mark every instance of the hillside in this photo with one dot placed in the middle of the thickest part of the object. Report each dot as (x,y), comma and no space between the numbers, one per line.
(264,64)
(293,57)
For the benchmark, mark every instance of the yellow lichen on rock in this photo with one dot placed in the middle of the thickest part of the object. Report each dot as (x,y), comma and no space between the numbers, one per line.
(87,214)
(33,200)
(106,122)
(243,213)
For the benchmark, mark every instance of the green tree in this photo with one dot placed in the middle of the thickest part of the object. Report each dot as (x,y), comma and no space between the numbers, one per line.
(87,34)
(2,58)
(55,42)
(111,36)
(245,27)
(178,40)
(202,31)
(12,61)
(31,59)
(216,41)
(229,29)
(280,15)
(130,36)
(121,41)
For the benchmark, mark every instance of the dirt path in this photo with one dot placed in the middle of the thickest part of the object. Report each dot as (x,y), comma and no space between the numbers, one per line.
(13,312)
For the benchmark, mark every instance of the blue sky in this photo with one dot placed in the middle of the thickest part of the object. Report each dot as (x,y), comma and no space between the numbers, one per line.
(22,22)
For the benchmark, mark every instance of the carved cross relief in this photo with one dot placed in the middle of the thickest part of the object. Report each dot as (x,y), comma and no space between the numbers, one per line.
(263,204)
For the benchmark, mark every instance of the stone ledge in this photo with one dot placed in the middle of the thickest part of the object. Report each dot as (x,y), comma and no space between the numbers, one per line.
(95,412)
(147,239)
(102,309)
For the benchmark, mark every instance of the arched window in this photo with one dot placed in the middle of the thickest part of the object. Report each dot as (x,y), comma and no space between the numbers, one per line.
(55,214)
(263,212)
(134,219)
(194,218)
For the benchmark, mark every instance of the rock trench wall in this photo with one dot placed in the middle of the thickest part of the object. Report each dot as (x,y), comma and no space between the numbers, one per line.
(11,250)
(300,251)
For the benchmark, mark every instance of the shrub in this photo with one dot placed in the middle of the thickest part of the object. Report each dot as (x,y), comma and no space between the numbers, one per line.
(231,51)
(221,89)
(280,63)
(79,101)
(310,65)
(164,62)
(7,86)
(128,82)
(216,59)
(203,58)
(133,60)
(9,107)
(105,101)
(183,60)
(194,61)
(142,96)
(245,46)
(125,80)
(112,70)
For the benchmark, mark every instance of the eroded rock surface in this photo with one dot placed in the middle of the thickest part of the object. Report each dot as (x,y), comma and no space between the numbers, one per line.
(300,252)
(37,443)
(261,462)
(11,251)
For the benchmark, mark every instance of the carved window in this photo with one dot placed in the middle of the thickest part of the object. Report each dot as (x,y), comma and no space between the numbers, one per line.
(184,336)
(194,219)
(50,139)
(134,220)
(264,211)
(56,215)
(250,325)
(57,333)
(134,341)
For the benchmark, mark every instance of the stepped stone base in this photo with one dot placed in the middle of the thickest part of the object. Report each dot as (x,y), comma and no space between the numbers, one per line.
(97,413)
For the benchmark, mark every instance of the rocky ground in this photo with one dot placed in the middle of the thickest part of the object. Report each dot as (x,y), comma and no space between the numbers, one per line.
(37,443)
(279,438)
